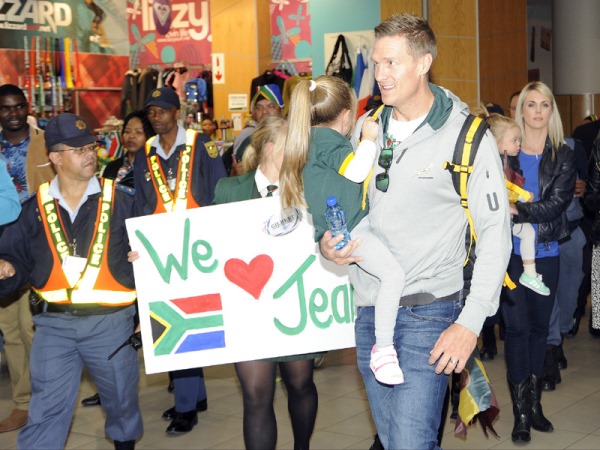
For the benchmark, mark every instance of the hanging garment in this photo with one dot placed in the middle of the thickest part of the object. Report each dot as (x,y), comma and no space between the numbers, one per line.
(129,93)
(359,68)
(147,82)
(268,77)
(367,82)
(340,66)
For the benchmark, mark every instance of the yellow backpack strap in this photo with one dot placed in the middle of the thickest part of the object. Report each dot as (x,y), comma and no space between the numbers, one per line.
(467,144)
(461,167)
(374,113)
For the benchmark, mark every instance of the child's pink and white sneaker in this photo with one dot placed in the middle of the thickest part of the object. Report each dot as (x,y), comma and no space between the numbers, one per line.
(385,366)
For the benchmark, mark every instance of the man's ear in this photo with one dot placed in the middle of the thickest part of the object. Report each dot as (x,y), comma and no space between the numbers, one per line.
(54,158)
(425,64)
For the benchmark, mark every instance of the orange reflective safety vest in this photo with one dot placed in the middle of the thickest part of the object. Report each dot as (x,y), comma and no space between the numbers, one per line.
(96,283)
(183,199)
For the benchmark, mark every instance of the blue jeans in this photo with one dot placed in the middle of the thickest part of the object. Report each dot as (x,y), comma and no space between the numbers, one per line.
(407,415)
(526,319)
(570,277)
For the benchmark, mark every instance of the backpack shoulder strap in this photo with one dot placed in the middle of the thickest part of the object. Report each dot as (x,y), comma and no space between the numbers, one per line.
(374,113)
(465,150)
(461,167)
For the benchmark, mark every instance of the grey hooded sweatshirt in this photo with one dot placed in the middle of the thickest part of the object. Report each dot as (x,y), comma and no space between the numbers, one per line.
(422,222)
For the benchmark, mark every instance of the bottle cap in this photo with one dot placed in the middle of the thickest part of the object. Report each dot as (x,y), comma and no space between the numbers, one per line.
(331,200)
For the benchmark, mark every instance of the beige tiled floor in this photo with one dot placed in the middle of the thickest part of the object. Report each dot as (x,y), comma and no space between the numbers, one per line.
(344,420)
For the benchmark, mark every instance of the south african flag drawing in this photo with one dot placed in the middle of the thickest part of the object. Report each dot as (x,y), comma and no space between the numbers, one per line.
(189,324)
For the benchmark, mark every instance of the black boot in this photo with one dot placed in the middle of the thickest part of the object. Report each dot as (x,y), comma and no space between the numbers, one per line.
(520,395)
(488,345)
(124,445)
(538,421)
(551,374)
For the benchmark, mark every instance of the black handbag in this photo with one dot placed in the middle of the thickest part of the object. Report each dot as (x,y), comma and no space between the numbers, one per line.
(340,67)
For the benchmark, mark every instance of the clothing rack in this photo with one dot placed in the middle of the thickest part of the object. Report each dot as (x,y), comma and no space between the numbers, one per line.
(203,67)
(293,66)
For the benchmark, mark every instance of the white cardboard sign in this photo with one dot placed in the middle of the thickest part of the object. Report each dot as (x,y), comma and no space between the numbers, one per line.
(236,282)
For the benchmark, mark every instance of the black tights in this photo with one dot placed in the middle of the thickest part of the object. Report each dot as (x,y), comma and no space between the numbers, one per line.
(257,379)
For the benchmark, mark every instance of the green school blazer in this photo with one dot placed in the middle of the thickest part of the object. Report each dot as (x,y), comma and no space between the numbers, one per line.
(236,189)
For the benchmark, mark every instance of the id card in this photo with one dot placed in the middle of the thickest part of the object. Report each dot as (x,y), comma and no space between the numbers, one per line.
(72,267)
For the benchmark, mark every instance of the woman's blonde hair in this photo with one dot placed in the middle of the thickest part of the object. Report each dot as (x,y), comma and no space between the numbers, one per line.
(555,128)
(314,103)
(271,129)
(498,123)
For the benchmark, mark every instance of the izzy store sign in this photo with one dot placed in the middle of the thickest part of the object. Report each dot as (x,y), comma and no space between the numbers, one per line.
(166,32)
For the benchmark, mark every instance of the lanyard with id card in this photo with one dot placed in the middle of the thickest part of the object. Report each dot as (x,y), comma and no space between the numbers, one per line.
(73,267)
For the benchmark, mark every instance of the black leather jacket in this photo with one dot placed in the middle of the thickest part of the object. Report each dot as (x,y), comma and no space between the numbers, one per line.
(592,193)
(556,186)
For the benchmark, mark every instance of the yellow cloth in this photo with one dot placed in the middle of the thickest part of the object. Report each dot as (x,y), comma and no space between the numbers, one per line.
(515,192)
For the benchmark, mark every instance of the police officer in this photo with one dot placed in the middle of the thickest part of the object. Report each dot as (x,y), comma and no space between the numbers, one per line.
(177,170)
(71,244)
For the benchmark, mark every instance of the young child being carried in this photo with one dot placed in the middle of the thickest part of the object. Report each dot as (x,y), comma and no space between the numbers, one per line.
(319,162)
(508,138)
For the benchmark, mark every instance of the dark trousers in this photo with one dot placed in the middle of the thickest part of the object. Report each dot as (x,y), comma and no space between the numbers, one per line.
(189,388)
(526,317)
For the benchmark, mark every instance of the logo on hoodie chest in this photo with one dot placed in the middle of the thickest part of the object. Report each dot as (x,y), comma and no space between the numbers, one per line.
(424,173)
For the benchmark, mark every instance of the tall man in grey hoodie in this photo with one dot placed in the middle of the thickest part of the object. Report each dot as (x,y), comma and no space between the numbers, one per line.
(415,209)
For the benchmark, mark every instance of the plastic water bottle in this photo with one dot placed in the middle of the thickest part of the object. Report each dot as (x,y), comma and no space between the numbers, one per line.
(336,221)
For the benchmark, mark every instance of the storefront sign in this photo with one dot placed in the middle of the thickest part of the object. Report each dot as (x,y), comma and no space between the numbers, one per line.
(85,23)
(163,32)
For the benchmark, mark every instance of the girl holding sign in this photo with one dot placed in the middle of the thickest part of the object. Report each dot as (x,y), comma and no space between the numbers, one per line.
(257,378)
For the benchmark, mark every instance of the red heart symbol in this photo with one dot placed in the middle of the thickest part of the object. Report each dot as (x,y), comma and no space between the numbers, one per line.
(250,277)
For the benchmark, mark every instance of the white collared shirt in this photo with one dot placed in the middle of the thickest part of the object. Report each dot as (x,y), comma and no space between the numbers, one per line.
(179,140)
(93,187)
(262,182)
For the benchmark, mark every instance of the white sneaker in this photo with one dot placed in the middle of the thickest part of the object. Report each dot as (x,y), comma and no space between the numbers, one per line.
(385,366)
